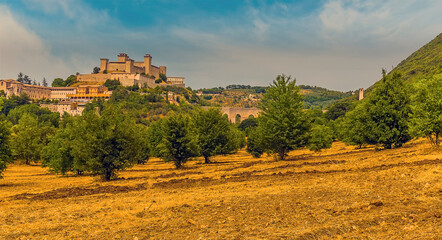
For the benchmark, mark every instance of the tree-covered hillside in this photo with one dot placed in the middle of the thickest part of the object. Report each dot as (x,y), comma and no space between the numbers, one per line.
(250,96)
(425,62)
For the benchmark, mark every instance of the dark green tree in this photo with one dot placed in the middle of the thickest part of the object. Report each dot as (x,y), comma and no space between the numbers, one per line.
(179,141)
(426,120)
(155,137)
(58,156)
(27,80)
(284,126)
(340,108)
(214,133)
(163,77)
(321,137)
(43,115)
(12,102)
(354,128)
(119,94)
(58,82)
(70,80)
(108,143)
(20,77)
(5,150)
(29,138)
(381,118)
(96,70)
(45,83)
(248,124)
(388,107)
(112,84)
(254,143)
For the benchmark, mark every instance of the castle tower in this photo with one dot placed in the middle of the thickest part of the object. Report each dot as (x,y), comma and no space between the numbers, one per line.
(122,57)
(147,63)
(103,64)
(361,93)
(163,70)
(129,66)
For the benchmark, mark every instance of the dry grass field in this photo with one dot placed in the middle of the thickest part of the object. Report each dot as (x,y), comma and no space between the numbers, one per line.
(341,193)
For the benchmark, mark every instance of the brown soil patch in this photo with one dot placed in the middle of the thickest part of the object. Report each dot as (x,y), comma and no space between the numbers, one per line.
(77,192)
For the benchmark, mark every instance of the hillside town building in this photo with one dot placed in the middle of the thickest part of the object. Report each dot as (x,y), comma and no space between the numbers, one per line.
(72,108)
(13,87)
(86,93)
(60,93)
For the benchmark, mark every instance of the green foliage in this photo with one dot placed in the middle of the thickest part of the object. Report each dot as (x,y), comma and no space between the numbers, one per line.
(163,77)
(96,70)
(28,138)
(247,124)
(355,127)
(389,108)
(255,144)
(154,137)
(179,141)
(321,97)
(43,115)
(321,137)
(112,84)
(237,140)
(58,156)
(283,124)
(340,108)
(24,78)
(119,94)
(108,143)
(59,82)
(427,109)
(5,149)
(45,83)
(6,105)
(133,88)
(382,118)
(215,135)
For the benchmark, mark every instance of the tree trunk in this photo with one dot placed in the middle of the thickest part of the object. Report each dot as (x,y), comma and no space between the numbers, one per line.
(281,155)
(108,174)
(206,159)
(177,163)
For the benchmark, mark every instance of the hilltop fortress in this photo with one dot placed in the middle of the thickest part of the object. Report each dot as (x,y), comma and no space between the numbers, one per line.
(130,73)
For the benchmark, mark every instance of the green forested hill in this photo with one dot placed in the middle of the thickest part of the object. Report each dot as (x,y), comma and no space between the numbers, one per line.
(423,63)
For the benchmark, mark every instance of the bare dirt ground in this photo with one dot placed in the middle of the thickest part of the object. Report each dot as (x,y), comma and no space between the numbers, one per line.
(341,193)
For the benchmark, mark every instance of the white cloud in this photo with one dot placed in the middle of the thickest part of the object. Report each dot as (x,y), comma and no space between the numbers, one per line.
(75,10)
(379,20)
(21,50)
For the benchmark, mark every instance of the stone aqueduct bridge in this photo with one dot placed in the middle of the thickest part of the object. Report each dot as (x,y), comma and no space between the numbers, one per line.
(235,114)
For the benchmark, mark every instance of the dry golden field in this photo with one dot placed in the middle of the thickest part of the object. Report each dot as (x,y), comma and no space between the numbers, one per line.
(341,193)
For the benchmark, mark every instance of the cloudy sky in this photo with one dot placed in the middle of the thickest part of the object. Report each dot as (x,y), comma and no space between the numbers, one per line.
(338,44)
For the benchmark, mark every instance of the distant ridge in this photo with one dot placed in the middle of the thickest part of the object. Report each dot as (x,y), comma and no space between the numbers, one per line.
(425,62)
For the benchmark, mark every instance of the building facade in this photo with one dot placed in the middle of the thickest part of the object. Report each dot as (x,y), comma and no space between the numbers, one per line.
(14,87)
(86,93)
(72,108)
(60,93)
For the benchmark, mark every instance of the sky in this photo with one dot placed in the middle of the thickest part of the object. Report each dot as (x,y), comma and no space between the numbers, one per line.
(337,44)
